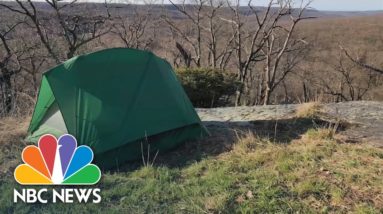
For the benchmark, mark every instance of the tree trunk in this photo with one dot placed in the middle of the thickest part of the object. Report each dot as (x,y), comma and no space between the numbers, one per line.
(8,93)
(240,90)
(238,96)
(305,95)
(267,82)
(266,99)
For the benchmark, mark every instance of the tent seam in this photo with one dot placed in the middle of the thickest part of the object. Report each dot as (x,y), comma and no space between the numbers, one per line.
(46,107)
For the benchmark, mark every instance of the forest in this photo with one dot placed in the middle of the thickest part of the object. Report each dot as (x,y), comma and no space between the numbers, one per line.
(225,53)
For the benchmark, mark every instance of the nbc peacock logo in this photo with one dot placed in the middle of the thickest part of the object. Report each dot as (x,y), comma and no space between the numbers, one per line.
(57,162)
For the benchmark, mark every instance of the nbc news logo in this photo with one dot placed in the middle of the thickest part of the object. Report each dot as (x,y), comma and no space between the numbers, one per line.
(57,162)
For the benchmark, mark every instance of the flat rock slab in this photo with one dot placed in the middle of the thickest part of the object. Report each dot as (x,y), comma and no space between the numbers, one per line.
(364,118)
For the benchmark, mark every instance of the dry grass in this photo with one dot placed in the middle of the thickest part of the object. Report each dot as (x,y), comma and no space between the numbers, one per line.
(12,134)
(308,110)
(12,129)
(313,174)
(323,175)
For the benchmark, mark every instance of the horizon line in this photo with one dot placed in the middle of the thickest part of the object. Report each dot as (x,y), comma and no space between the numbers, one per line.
(169,4)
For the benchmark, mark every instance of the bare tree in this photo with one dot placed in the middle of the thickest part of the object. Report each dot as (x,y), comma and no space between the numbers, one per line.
(220,43)
(262,41)
(32,63)
(262,36)
(351,85)
(133,30)
(203,37)
(193,13)
(186,56)
(280,44)
(75,30)
(248,41)
(9,66)
(28,9)
(213,30)
(360,62)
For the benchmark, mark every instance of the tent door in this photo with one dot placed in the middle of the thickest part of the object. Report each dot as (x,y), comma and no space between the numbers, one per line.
(54,119)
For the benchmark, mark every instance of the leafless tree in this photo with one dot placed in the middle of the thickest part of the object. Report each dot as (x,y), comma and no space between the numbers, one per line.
(360,62)
(263,36)
(32,63)
(352,84)
(202,37)
(193,13)
(265,39)
(248,41)
(75,30)
(28,9)
(220,43)
(9,65)
(281,45)
(133,30)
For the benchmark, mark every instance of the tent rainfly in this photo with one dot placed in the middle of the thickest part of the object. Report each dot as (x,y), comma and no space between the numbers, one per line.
(116,101)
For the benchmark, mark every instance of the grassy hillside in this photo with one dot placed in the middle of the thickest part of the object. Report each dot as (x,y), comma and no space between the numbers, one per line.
(253,175)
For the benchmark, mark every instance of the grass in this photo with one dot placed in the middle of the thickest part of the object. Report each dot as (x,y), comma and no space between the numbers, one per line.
(313,174)
(308,110)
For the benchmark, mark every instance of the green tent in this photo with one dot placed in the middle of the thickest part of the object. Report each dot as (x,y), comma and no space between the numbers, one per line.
(116,101)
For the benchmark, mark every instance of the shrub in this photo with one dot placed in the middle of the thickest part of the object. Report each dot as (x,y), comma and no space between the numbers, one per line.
(208,87)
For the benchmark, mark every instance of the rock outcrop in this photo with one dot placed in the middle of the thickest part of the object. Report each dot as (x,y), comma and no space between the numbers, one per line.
(360,122)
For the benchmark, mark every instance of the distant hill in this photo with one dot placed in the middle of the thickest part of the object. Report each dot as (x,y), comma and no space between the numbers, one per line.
(128,9)
(334,14)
